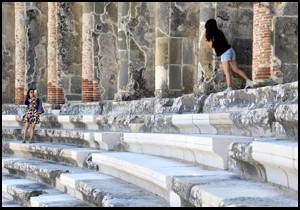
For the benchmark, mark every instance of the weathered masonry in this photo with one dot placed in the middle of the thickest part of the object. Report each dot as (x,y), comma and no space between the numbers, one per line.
(99,51)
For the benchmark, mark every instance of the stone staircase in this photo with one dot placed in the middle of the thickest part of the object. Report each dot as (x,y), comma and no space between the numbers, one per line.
(235,149)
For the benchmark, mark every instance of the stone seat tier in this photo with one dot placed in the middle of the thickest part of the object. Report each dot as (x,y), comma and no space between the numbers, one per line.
(157,175)
(34,194)
(9,203)
(78,137)
(93,187)
(260,122)
(272,160)
(76,156)
(209,150)
(237,100)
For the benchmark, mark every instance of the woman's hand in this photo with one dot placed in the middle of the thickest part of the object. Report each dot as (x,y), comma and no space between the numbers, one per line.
(34,104)
(209,43)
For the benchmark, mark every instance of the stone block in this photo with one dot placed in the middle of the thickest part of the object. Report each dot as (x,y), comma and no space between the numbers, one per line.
(206,13)
(286,39)
(161,77)
(291,8)
(122,44)
(76,85)
(279,169)
(162,51)
(175,77)
(188,51)
(290,72)
(89,7)
(188,78)
(185,123)
(175,51)
(163,11)
(243,51)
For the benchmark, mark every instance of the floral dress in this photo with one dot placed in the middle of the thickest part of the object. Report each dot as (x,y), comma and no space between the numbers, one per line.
(32,115)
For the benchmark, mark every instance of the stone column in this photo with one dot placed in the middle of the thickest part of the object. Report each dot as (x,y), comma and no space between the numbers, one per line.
(176,41)
(55,91)
(262,23)
(88,52)
(123,10)
(205,54)
(20,37)
(52,50)
(61,51)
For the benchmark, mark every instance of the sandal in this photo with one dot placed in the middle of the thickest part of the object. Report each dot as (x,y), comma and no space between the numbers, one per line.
(23,141)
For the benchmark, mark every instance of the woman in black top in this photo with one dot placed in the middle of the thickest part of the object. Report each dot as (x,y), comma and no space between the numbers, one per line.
(31,116)
(216,39)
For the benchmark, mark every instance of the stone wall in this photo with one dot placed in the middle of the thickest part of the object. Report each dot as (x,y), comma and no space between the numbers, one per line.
(139,49)
(136,40)
(105,48)
(285,41)
(36,51)
(8,52)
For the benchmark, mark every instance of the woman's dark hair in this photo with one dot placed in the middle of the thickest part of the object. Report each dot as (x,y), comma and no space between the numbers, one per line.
(211,29)
(28,96)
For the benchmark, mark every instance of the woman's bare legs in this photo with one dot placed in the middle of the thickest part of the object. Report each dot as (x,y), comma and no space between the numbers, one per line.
(32,132)
(25,131)
(226,70)
(235,69)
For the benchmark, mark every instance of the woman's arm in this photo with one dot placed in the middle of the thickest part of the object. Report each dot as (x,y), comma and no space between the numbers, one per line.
(27,102)
(210,43)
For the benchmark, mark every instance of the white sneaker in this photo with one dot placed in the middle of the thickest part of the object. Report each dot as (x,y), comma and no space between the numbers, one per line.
(249,83)
(227,90)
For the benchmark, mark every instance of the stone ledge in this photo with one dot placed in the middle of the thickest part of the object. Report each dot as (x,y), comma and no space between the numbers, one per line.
(209,150)
(102,140)
(257,122)
(264,97)
(261,122)
(270,160)
(287,116)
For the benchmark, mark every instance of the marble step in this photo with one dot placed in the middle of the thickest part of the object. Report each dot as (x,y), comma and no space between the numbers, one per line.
(76,156)
(159,175)
(9,203)
(78,137)
(209,150)
(231,191)
(270,160)
(34,194)
(93,187)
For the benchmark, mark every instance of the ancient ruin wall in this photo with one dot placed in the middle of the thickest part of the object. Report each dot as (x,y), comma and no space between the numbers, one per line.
(8,52)
(284,44)
(127,41)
